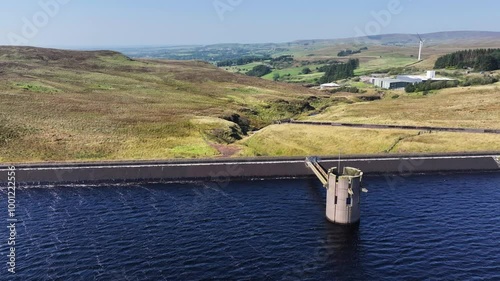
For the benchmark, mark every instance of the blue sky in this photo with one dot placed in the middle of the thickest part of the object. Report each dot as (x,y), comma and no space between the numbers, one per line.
(173,22)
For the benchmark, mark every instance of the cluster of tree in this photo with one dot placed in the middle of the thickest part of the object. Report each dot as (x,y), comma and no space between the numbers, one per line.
(338,71)
(324,68)
(281,62)
(306,70)
(348,52)
(242,61)
(314,62)
(278,62)
(430,85)
(480,59)
(478,80)
(437,85)
(284,58)
(260,70)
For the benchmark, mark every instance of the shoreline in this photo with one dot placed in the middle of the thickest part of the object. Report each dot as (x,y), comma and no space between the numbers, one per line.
(220,170)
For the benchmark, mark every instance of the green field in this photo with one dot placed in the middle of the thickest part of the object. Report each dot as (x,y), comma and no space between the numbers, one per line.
(291,74)
(383,63)
(376,60)
(294,74)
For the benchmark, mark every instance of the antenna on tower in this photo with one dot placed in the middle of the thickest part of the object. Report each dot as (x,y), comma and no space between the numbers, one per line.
(421,47)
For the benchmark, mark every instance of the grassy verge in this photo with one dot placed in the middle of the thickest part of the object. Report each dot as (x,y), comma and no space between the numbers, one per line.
(301,140)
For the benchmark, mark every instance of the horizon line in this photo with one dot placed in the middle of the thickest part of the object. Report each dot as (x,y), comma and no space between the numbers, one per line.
(103,47)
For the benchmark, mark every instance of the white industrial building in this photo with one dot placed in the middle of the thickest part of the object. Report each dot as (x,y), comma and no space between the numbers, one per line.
(402,81)
(390,83)
(415,79)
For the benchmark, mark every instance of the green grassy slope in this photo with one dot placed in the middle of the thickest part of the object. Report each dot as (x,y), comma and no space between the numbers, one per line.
(68,105)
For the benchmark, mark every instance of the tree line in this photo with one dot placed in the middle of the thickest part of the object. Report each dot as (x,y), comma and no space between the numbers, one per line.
(250,59)
(338,71)
(430,85)
(348,52)
(242,61)
(437,85)
(259,71)
(480,60)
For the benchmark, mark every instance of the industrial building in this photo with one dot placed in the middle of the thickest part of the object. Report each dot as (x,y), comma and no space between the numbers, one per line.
(390,83)
(415,79)
(402,81)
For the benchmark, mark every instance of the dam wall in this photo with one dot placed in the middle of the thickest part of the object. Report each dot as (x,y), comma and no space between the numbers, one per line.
(244,168)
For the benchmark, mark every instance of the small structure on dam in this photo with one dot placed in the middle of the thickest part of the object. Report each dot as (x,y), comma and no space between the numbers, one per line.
(343,197)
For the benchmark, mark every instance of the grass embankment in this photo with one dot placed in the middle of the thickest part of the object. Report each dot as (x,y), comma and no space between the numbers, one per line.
(65,105)
(469,107)
(302,140)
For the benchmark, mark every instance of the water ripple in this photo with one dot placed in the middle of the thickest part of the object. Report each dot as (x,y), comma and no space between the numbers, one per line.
(429,227)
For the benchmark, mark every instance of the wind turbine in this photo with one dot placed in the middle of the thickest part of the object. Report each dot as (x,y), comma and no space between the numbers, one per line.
(421,47)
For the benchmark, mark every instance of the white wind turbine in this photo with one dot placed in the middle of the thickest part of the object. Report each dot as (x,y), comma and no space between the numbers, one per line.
(421,47)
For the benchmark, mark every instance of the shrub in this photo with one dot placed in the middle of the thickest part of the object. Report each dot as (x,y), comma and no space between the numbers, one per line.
(410,88)
(259,71)
(306,70)
(430,85)
(478,80)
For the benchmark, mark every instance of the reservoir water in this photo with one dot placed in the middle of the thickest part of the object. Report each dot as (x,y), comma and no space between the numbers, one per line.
(439,227)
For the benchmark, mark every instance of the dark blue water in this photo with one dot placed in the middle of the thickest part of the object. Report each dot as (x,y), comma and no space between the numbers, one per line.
(420,228)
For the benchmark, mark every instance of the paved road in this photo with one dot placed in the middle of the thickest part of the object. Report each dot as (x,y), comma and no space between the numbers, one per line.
(230,169)
(374,126)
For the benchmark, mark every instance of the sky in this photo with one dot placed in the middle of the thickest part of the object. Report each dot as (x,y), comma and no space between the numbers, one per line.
(123,23)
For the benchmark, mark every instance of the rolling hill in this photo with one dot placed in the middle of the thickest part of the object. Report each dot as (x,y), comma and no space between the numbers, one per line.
(452,39)
(59,105)
(384,51)
(440,38)
(73,105)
